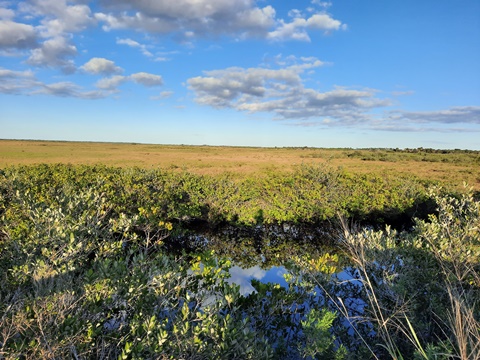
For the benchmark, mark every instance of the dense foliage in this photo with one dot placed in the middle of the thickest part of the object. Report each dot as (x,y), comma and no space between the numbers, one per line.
(84,274)
(466,157)
(421,288)
(311,194)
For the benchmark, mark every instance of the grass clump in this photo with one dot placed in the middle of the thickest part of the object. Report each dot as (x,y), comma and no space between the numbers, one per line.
(421,289)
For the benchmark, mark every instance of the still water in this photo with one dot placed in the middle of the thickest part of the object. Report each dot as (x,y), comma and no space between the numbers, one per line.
(243,277)
(259,253)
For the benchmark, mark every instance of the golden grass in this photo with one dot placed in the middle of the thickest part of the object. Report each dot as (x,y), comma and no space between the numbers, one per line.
(238,161)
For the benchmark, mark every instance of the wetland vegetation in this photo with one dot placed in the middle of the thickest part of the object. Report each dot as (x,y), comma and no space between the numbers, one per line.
(99,260)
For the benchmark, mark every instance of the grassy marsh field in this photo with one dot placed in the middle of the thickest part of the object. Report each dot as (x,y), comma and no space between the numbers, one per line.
(102,253)
(449,167)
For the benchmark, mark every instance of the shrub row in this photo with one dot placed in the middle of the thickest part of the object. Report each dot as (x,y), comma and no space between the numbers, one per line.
(310,194)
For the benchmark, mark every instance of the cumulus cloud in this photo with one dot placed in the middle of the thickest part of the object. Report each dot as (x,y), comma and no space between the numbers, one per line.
(323,4)
(55,21)
(242,277)
(111,83)
(9,74)
(283,93)
(455,119)
(17,35)
(25,82)
(185,8)
(54,53)
(162,95)
(58,17)
(16,82)
(137,21)
(297,28)
(135,44)
(6,14)
(454,115)
(147,79)
(68,89)
(186,19)
(142,78)
(101,66)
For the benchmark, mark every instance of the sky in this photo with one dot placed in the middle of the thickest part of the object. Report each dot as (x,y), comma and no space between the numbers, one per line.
(340,73)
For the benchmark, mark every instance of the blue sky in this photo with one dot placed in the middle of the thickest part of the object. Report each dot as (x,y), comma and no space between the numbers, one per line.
(340,73)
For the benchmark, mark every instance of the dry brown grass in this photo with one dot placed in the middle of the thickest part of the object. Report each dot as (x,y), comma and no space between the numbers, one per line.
(213,160)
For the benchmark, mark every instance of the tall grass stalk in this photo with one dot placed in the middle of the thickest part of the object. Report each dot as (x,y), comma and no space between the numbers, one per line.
(388,321)
(452,240)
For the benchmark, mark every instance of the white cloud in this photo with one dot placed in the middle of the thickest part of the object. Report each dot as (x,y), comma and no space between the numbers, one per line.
(16,82)
(290,31)
(142,78)
(54,53)
(128,42)
(282,92)
(111,83)
(182,9)
(101,66)
(58,17)
(135,44)
(220,87)
(323,4)
(323,22)
(6,14)
(68,89)
(9,74)
(57,20)
(162,95)
(242,277)
(460,119)
(17,35)
(25,82)
(187,19)
(161,59)
(166,94)
(454,115)
(297,28)
(147,79)
(138,21)
(254,22)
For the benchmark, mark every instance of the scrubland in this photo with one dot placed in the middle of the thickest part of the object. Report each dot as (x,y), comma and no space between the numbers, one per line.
(87,268)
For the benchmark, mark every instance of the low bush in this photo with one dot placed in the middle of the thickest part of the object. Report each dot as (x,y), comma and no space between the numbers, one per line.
(84,273)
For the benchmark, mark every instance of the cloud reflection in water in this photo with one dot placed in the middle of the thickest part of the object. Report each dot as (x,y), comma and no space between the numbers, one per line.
(243,277)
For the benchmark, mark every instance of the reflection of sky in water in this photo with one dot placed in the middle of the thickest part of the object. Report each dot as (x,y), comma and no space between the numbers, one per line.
(242,277)
(354,305)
